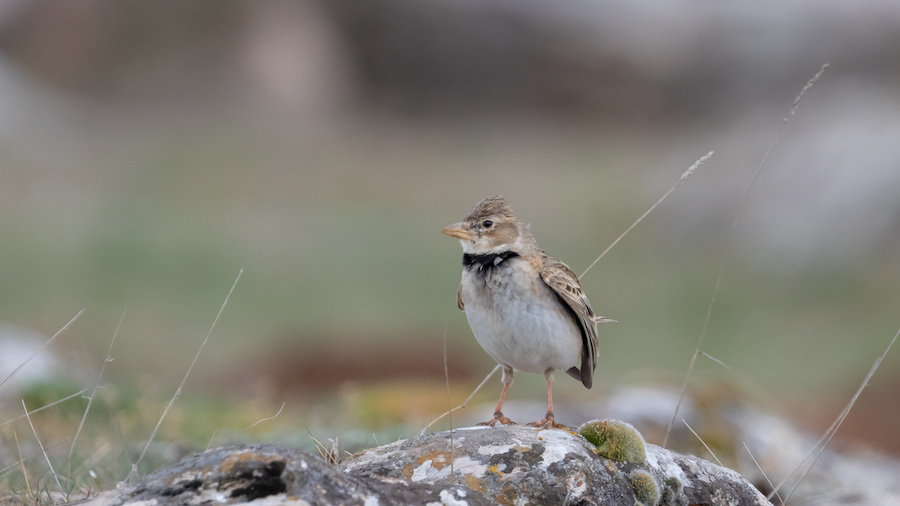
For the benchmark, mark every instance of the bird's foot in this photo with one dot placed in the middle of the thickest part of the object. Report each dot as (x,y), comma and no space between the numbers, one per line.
(548,423)
(498,418)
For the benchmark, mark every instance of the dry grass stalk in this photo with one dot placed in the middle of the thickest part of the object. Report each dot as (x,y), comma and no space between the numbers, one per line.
(734,225)
(683,177)
(183,381)
(46,343)
(43,450)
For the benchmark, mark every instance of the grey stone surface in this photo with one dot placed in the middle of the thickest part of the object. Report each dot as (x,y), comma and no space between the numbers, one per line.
(518,465)
(269,474)
(524,465)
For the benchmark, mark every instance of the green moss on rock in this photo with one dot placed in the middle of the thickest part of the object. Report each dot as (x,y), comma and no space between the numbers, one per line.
(646,491)
(615,440)
(672,490)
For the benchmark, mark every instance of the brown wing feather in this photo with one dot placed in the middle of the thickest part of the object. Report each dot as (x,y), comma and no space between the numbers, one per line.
(459,302)
(560,278)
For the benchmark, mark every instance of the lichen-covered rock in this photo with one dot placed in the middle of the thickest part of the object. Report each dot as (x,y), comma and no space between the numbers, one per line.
(525,465)
(268,474)
(765,447)
(487,465)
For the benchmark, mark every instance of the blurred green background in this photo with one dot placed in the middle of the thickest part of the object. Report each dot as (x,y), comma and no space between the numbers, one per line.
(151,150)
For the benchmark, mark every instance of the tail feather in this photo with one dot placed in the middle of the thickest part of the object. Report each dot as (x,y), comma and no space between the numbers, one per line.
(585,379)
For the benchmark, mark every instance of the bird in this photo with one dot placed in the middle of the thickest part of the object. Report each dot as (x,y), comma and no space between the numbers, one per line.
(526,308)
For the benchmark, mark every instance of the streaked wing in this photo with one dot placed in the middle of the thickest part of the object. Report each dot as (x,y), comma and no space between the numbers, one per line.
(459,302)
(560,278)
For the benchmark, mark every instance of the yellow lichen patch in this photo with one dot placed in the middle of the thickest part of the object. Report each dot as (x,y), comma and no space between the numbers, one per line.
(495,469)
(439,459)
(521,449)
(507,495)
(474,483)
(407,471)
(228,464)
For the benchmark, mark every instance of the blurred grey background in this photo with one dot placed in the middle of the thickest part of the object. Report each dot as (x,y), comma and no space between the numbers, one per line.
(150,150)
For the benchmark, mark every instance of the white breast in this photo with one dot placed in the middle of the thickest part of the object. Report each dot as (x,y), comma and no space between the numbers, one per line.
(518,319)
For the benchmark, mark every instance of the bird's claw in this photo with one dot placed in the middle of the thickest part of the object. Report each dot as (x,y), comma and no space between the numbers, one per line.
(498,418)
(548,423)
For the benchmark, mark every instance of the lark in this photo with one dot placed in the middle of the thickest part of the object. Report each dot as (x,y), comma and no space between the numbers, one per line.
(526,308)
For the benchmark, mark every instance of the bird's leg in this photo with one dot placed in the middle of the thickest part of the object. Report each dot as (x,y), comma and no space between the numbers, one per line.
(498,415)
(548,421)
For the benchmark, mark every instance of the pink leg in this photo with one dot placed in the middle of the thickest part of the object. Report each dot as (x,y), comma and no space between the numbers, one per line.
(498,414)
(548,421)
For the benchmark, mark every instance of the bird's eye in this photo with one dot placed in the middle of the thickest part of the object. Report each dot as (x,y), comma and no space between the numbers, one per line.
(487,223)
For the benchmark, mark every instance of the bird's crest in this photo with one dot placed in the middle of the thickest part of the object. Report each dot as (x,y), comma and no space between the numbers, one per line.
(492,206)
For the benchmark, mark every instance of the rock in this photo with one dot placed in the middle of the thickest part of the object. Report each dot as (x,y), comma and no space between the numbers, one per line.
(523,465)
(489,465)
(764,447)
(270,474)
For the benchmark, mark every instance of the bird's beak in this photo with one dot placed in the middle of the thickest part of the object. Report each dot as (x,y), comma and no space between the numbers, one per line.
(459,230)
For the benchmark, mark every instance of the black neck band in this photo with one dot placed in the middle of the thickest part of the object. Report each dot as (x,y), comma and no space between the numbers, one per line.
(489,261)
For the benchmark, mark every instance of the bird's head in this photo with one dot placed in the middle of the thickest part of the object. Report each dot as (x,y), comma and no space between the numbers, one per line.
(491,227)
